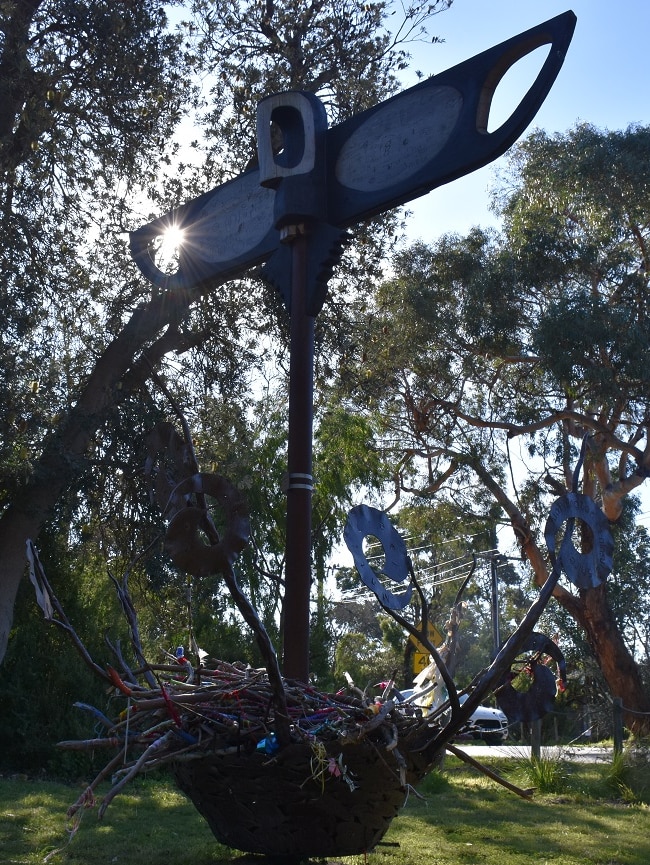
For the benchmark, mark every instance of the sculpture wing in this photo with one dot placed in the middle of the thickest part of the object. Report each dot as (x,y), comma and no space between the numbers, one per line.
(392,153)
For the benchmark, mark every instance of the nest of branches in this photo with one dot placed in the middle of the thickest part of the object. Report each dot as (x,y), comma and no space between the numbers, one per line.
(274,765)
(334,786)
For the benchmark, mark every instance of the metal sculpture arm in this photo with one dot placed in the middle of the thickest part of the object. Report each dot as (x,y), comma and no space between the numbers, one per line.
(388,155)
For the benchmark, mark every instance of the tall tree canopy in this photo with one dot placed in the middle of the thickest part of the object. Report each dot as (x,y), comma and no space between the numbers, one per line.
(490,358)
(96,98)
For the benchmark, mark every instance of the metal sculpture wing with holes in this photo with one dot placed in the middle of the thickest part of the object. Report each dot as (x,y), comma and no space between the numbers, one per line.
(383,157)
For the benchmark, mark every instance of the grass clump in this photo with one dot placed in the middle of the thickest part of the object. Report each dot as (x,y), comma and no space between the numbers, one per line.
(618,777)
(627,774)
(547,775)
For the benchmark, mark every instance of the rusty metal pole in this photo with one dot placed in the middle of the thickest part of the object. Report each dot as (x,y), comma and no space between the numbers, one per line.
(298,173)
(300,481)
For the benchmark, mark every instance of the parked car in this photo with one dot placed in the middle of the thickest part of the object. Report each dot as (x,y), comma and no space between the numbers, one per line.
(486,723)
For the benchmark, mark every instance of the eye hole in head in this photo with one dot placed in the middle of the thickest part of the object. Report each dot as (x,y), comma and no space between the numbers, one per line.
(288,135)
(166,248)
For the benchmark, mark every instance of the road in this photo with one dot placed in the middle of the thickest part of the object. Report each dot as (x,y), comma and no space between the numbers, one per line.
(516,751)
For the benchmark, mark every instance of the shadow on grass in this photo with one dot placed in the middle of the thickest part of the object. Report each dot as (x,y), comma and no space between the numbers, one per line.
(478,822)
(463,819)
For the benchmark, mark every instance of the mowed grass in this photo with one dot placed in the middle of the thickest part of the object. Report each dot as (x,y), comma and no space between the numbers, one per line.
(462,818)
(151,824)
(475,822)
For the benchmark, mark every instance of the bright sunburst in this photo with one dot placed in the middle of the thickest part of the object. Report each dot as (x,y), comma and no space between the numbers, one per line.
(167,249)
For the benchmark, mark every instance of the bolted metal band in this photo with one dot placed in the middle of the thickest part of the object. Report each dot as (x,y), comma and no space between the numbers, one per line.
(299,481)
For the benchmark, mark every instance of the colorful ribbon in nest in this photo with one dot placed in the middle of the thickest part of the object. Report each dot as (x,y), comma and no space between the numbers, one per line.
(323,766)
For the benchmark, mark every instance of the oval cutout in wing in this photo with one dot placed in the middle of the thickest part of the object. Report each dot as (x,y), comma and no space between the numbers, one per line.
(513,86)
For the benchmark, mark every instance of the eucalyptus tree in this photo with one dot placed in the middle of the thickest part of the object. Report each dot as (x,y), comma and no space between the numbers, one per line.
(492,358)
(94,99)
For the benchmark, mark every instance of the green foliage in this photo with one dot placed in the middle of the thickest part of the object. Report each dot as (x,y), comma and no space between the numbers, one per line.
(368,661)
(75,135)
(573,334)
(97,100)
(43,676)
(488,359)
(318,47)
(579,226)
(321,647)
(443,541)
(392,634)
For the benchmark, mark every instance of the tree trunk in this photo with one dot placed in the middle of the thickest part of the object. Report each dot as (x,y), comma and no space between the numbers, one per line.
(15,528)
(591,611)
(615,661)
(58,466)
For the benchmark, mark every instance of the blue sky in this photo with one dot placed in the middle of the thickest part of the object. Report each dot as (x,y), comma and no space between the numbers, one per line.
(605,80)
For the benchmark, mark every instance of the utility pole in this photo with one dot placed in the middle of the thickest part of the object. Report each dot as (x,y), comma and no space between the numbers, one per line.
(494,603)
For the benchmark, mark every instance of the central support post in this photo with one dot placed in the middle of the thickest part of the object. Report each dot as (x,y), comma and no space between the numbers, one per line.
(300,486)
(297,170)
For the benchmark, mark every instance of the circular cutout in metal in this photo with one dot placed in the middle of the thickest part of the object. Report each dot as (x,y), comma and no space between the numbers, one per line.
(584,570)
(364,521)
(184,539)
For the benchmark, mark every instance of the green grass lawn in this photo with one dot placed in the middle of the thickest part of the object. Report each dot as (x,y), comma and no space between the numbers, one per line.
(592,815)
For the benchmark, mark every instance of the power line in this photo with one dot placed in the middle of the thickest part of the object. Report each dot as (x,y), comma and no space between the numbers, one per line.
(442,577)
(407,538)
